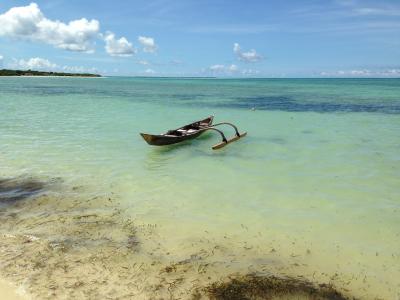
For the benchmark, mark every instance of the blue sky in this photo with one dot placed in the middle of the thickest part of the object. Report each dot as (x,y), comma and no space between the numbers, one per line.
(327,38)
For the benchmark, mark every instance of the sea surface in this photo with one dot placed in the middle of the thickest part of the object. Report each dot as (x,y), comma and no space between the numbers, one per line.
(312,191)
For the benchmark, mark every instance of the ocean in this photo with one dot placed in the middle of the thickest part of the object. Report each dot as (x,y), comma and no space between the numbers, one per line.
(88,209)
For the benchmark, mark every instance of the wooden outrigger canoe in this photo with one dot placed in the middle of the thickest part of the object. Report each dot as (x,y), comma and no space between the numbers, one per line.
(178,135)
(191,131)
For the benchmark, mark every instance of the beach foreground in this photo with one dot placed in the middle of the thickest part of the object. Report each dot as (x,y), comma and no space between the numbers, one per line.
(306,206)
(74,251)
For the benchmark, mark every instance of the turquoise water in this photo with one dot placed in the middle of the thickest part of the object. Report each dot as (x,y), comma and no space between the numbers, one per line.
(313,190)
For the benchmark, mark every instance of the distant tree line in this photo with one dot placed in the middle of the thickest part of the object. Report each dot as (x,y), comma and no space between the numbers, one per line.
(6,72)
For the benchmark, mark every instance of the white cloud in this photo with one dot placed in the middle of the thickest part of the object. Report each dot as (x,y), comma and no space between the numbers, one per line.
(373,11)
(250,56)
(79,69)
(150,71)
(35,63)
(143,62)
(29,23)
(148,44)
(223,70)
(362,73)
(379,9)
(217,68)
(250,72)
(393,72)
(21,21)
(233,68)
(118,47)
(230,70)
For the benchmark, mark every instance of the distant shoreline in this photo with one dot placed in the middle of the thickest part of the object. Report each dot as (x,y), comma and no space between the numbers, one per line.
(31,73)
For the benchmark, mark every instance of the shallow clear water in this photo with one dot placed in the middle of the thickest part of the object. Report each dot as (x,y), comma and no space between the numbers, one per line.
(313,190)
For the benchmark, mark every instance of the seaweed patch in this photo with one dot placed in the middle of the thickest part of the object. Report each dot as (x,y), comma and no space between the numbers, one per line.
(277,140)
(290,104)
(258,287)
(12,190)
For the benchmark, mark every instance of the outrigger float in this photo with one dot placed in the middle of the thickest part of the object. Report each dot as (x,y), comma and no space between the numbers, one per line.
(192,131)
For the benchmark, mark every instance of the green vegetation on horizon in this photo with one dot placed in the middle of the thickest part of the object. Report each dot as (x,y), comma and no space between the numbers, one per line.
(5,72)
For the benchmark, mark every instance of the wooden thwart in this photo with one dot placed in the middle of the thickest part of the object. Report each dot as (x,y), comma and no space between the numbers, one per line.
(223,144)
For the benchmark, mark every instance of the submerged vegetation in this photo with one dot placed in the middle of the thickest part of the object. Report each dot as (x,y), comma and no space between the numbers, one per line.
(6,72)
(250,287)
(12,190)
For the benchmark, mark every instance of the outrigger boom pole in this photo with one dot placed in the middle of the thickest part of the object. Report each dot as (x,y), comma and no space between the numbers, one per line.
(224,140)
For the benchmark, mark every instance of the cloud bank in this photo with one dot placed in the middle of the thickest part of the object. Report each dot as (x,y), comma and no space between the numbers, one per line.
(29,23)
(363,73)
(42,64)
(229,71)
(35,63)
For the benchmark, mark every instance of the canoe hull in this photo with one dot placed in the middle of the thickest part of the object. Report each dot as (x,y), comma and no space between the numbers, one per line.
(170,138)
(162,140)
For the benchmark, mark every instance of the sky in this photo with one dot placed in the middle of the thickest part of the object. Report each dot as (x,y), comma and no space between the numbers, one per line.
(293,38)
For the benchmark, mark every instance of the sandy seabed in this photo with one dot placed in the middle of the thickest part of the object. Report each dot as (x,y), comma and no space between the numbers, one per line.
(64,247)
(10,292)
